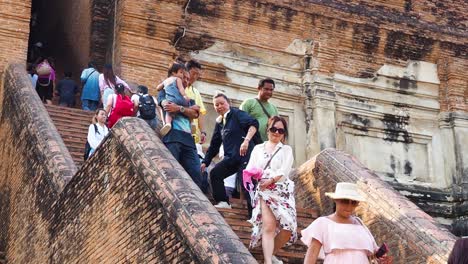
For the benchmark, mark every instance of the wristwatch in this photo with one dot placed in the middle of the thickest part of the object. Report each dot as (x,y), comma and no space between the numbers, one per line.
(182,109)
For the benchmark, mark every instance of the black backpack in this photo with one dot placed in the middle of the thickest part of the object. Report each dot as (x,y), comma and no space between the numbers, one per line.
(147,107)
(87,146)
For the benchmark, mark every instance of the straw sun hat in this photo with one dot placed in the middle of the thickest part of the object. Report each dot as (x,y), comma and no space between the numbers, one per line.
(346,190)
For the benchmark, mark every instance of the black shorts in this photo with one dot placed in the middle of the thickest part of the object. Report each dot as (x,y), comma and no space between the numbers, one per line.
(45,90)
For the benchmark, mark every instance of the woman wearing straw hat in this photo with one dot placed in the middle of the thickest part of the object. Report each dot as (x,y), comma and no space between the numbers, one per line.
(340,237)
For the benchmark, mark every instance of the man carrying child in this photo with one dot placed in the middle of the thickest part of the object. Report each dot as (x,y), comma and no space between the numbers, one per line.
(179,139)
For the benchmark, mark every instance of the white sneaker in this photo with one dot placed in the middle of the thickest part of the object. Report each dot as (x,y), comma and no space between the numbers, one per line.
(223,205)
(165,129)
(275,260)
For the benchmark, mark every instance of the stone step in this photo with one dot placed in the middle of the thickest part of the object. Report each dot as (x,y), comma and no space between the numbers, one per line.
(237,216)
(73,133)
(74,111)
(284,255)
(234,215)
(71,117)
(76,141)
(242,205)
(72,124)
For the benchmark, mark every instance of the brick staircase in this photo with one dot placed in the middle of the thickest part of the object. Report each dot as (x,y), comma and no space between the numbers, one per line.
(72,125)
(237,216)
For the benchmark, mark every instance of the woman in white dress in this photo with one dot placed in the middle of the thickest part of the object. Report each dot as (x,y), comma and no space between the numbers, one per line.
(274,213)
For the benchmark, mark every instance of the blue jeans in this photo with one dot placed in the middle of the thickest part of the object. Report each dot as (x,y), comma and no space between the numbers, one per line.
(89,105)
(188,158)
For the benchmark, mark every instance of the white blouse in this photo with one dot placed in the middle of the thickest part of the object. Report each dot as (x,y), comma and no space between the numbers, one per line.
(94,138)
(280,165)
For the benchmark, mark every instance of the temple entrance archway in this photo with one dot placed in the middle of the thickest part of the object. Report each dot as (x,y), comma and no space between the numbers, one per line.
(71,33)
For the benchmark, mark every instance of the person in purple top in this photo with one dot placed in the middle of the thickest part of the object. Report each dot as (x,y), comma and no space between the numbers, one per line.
(46,80)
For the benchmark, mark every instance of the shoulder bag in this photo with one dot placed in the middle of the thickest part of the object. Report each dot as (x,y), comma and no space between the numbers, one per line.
(89,75)
(263,108)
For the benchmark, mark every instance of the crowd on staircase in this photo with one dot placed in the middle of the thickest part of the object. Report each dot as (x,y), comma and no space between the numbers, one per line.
(248,144)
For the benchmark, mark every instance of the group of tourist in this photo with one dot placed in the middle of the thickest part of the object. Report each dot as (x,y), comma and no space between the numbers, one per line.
(253,139)
(43,78)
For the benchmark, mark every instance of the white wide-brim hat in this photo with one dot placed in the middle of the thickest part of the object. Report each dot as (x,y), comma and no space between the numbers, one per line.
(346,190)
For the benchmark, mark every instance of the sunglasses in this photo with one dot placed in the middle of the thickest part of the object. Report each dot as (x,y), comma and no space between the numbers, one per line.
(347,201)
(280,131)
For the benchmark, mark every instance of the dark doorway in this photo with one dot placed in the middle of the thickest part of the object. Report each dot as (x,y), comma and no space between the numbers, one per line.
(71,33)
(51,35)
(52,28)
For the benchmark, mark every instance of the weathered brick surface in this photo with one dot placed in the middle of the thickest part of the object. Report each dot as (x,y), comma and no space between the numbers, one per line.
(102,31)
(132,202)
(413,236)
(14,31)
(107,214)
(354,38)
(34,169)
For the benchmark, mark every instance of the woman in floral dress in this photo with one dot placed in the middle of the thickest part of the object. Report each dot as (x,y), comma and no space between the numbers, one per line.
(274,213)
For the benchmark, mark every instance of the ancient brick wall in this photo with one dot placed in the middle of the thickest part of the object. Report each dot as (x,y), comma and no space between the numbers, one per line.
(354,38)
(14,31)
(131,202)
(303,45)
(102,31)
(35,168)
(413,236)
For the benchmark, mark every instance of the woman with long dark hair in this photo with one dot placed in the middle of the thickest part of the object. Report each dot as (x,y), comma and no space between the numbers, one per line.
(274,207)
(108,81)
(118,105)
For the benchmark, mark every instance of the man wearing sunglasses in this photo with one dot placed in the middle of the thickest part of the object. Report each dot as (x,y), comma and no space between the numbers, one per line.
(260,108)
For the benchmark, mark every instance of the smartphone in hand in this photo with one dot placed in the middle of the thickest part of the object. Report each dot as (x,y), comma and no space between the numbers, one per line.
(381,251)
